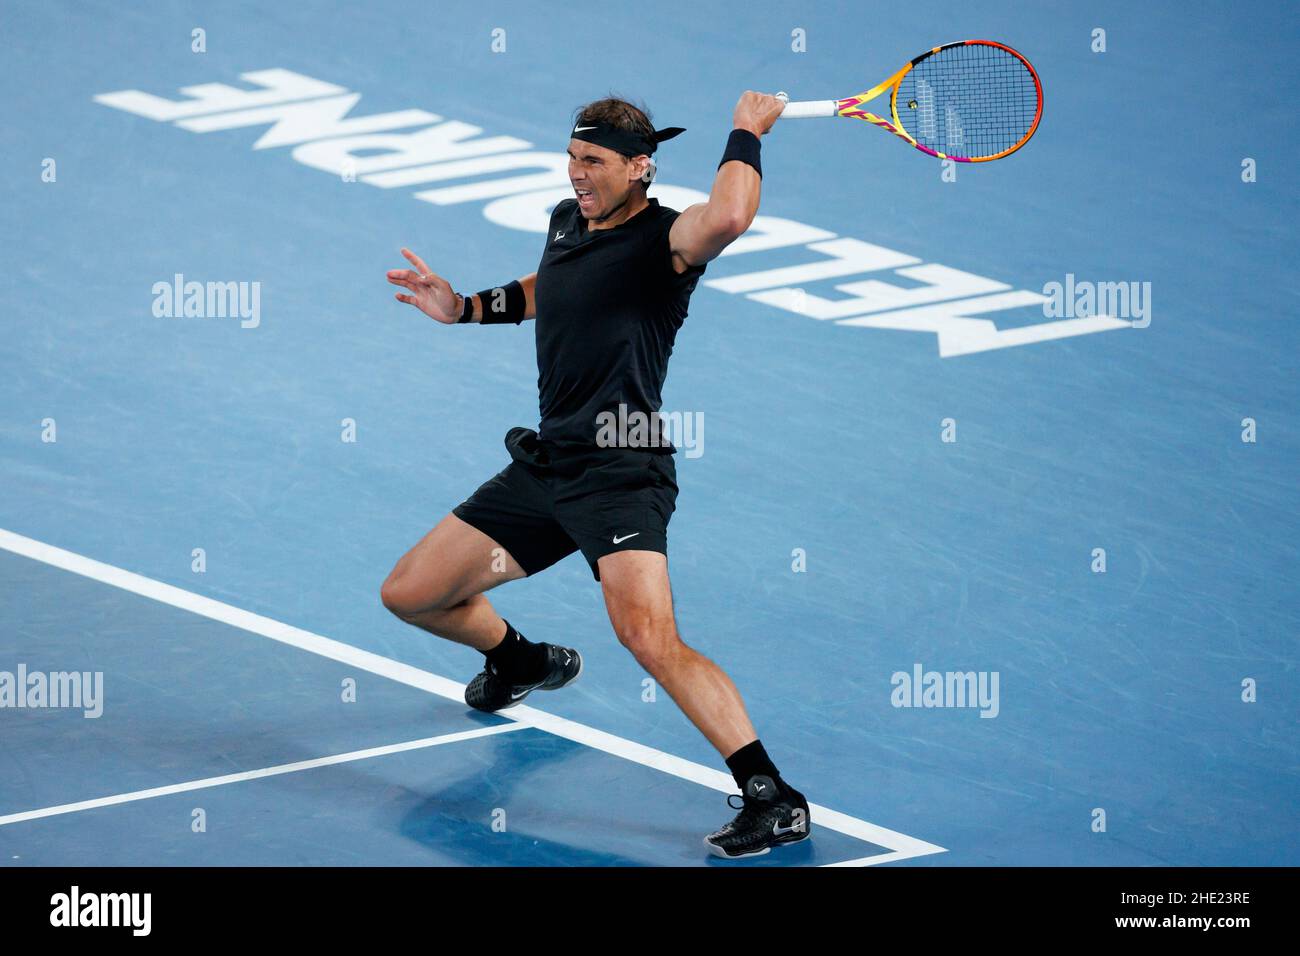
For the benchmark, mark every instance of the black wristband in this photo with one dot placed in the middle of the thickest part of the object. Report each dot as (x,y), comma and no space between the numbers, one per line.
(505,304)
(744,146)
(467,311)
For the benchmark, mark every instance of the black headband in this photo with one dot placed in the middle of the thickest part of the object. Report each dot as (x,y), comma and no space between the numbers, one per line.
(621,140)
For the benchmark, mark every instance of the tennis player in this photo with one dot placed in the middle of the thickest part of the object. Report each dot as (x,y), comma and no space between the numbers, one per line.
(609,295)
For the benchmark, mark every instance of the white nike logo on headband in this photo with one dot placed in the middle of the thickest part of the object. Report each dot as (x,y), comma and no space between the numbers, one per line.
(579,129)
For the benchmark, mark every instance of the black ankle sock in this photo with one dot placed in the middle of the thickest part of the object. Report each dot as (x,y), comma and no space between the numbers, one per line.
(518,659)
(752,759)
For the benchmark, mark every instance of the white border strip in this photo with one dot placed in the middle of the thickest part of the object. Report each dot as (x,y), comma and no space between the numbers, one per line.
(900,845)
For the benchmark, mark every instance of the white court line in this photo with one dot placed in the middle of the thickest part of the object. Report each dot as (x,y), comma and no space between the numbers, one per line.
(900,845)
(256,774)
(879,858)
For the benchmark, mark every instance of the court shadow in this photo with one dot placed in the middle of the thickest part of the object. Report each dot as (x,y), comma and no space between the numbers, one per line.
(473,819)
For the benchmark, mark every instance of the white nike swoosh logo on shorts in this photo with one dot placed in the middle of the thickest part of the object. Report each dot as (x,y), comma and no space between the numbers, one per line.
(579,129)
(618,540)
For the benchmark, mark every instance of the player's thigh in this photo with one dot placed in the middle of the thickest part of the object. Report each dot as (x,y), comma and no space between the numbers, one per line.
(452,562)
(639,598)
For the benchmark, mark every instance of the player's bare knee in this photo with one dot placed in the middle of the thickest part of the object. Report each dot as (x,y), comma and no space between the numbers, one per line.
(655,648)
(394,595)
(406,598)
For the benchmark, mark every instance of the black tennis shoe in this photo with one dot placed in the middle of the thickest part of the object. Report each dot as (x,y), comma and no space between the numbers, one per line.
(490,692)
(772,814)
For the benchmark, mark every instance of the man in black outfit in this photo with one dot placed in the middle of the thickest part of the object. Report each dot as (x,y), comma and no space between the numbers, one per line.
(609,296)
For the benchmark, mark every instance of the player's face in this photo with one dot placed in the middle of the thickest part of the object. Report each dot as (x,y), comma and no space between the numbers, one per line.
(602,178)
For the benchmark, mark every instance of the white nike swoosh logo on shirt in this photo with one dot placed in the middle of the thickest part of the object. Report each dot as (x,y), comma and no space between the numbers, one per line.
(618,540)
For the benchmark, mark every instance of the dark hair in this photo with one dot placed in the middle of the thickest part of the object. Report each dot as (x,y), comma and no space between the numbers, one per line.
(617,112)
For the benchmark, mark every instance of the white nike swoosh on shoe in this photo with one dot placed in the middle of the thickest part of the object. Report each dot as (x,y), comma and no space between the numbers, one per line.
(778,830)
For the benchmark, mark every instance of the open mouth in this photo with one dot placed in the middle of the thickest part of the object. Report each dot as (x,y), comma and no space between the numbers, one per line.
(585,197)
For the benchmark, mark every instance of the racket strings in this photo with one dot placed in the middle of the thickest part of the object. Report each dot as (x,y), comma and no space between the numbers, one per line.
(972,100)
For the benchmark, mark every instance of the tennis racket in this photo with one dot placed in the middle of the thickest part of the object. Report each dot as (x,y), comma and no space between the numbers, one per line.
(970,101)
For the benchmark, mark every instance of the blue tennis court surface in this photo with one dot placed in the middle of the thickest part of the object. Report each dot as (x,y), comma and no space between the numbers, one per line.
(907,464)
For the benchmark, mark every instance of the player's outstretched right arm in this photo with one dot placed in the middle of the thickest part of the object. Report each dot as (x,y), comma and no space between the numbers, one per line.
(703,230)
(434,296)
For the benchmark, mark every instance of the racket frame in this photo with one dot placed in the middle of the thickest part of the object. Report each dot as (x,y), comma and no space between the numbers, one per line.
(851,107)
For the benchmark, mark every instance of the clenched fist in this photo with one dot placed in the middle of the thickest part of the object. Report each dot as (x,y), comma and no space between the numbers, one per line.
(757,112)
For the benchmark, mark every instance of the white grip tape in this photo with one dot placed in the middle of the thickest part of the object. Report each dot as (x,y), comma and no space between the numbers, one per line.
(809,108)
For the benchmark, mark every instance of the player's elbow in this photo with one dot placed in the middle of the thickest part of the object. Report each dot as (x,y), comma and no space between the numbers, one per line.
(732,224)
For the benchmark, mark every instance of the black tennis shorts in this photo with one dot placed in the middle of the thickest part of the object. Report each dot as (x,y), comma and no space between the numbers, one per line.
(548,503)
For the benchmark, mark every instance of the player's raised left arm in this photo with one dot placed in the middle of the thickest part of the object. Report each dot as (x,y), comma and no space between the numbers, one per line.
(702,231)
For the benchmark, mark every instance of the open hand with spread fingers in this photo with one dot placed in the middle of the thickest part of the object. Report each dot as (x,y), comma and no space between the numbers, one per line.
(430,293)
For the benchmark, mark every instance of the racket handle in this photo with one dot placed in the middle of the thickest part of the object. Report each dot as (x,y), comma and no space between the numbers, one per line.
(809,108)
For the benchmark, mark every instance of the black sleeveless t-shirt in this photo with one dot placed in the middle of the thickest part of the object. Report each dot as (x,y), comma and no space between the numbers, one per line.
(608,309)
